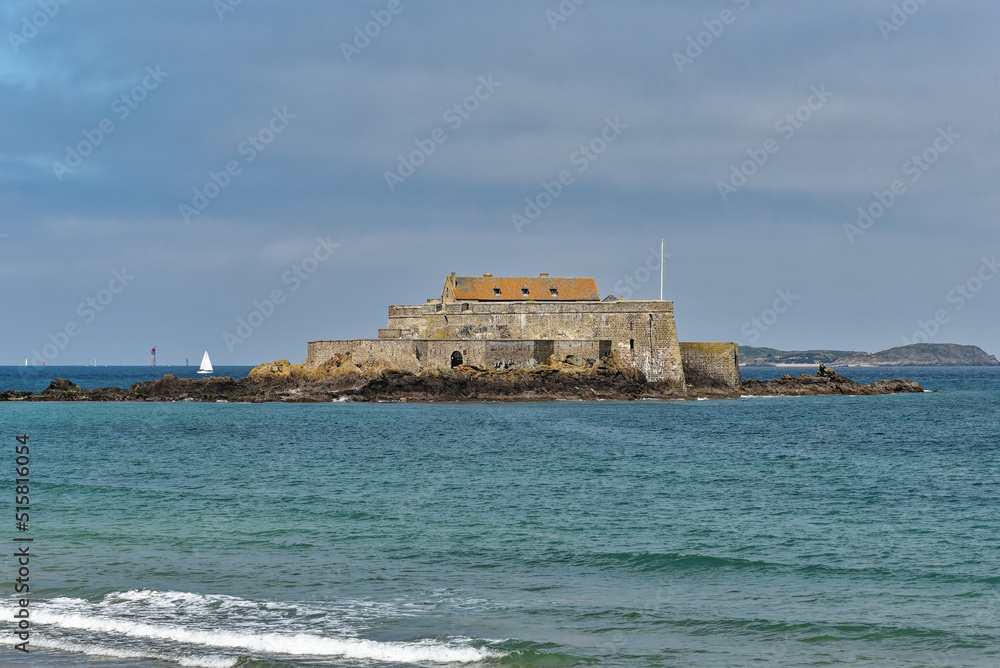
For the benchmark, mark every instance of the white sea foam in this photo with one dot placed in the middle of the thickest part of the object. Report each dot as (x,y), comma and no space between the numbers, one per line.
(172,601)
(300,644)
(91,649)
(116,615)
(342,617)
(150,615)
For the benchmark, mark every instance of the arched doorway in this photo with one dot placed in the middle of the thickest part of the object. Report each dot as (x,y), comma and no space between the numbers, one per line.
(456,359)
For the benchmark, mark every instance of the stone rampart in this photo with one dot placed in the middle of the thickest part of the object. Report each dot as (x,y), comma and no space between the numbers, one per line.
(642,333)
(711,362)
(416,354)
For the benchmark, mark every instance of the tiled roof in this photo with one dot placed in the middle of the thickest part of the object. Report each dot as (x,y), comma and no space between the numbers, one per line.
(505,288)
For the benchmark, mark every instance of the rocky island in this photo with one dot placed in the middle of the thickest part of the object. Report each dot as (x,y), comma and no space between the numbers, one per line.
(497,338)
(565,379)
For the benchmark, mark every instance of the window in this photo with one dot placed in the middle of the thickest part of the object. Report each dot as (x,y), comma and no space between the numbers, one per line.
(631,344)
(496,290)
(524,291)
(554,292)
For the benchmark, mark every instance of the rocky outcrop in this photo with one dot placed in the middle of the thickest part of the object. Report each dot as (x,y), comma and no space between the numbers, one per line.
(566,379)
(826,381)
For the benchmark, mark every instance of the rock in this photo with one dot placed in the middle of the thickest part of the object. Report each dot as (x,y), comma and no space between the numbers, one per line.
(272,372)
(15,395)
(565,379)
(826,381)
(897,385)
(62,385)
(61,389)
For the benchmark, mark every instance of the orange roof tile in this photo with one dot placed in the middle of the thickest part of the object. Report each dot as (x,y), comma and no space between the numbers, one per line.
(502,288)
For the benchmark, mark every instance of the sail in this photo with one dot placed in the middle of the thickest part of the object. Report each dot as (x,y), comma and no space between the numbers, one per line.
(206,364)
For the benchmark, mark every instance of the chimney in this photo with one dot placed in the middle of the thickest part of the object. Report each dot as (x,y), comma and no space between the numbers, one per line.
(543,275)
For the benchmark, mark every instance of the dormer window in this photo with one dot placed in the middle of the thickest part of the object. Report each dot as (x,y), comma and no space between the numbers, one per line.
(496,290)
(524,291)
(554,292)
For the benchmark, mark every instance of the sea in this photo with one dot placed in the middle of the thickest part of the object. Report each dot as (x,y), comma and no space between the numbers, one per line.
(765,531)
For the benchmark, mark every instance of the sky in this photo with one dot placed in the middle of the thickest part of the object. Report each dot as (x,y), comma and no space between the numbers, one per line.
(244,177)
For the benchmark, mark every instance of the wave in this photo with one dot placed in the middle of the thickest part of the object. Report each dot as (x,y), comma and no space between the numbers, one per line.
(298,644)
(656,562)
(114,626)
(653,562)
(821,632)
(91,649)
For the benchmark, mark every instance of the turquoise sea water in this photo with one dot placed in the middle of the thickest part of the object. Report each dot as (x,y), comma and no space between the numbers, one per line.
(808,531)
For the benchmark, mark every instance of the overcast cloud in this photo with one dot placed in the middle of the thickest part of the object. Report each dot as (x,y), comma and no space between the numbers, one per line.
(236,151)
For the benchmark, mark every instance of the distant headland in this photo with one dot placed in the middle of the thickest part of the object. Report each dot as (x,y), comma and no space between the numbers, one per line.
(915,354)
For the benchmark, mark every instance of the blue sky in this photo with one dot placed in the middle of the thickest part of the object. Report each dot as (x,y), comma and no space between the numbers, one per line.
(824,174)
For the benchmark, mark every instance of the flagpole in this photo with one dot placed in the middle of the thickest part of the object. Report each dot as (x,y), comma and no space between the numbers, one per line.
(661,270)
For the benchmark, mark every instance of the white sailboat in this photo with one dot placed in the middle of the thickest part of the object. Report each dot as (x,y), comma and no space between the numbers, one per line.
(206,364)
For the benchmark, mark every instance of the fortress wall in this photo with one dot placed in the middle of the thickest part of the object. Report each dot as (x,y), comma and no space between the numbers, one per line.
(500,353)
(711,362)
(320,351)
(516,320)
(586,350)
(643,333)
(398,352)
(439,352)
(416,354)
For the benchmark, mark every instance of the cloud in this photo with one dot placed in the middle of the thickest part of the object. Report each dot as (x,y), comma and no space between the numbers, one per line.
(325,174)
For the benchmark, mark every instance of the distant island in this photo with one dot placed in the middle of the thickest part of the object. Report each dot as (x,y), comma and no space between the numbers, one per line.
(915,354)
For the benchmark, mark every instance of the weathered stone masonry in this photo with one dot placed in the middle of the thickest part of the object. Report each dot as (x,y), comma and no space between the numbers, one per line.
(711,361)
(503,322)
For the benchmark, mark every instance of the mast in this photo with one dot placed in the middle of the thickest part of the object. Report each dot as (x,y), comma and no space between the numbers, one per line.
(661,270)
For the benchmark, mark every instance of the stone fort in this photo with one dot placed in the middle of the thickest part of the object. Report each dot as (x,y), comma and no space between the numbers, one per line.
(504,322)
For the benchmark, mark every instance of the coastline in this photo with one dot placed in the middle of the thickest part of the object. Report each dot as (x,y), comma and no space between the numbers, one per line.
(853,366)
(604,380)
